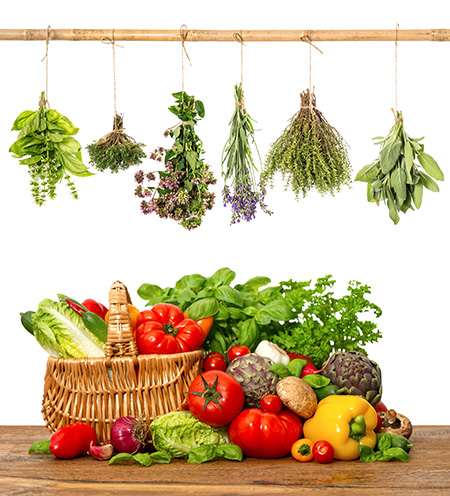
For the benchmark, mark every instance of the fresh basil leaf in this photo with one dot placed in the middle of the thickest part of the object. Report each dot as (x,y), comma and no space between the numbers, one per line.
(222,276)
(223,313)
(120,458)
(280,369)
(31,160)
(205,307)
(316,381)
(194,282)
(248,333)
(430,166)
(41,447)
(295,366)
(186,295)
(69,145)
(366,454)
(143,459)
(160,457)
(229,295)
(200,108)
(149,291)
(229,451)
(22,120)
(262,318)
(385,442)
(237,314)
(257,282)
(202,454)
(398,453)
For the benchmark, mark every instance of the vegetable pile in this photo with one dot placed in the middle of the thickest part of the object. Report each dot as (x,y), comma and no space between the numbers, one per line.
(262,400)
(46,140)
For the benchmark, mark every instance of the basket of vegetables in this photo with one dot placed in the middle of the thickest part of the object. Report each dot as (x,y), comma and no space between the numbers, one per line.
(142,372)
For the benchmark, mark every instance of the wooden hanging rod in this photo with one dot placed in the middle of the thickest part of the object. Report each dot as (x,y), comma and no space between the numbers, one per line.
(227,35)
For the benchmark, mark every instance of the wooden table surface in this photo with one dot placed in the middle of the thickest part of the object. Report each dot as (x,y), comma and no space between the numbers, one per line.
(426,472)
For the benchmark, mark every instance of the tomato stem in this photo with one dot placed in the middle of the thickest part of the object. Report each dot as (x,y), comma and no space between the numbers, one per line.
(170,329)
(210,393)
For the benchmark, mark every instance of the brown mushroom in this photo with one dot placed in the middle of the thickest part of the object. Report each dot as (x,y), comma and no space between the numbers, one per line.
(298,396)
(395,423)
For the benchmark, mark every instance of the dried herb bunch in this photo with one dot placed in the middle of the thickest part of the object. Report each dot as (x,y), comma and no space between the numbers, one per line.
(46,140)
(395,178)
(116,150)
(245,194)
(182,190)
(309,154)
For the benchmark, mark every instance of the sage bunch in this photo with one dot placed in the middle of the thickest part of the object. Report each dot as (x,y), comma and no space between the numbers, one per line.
(395,178)
(116,150)
(51,153)
(310,154)
(244,195)
(182,191)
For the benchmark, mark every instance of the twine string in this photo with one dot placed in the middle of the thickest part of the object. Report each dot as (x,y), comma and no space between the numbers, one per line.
(238,37)
(307,39)
(112,41)
(183,35)
(396,67)
(47,43)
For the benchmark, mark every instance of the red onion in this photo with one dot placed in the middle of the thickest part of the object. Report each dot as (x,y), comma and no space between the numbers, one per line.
(129,435)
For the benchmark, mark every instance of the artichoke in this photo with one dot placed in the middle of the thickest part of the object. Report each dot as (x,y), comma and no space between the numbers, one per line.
(355,374)
(254,375)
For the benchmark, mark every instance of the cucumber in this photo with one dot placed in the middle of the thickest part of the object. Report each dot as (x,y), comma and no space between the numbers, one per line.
(325,391)
(27,322)
(96,325)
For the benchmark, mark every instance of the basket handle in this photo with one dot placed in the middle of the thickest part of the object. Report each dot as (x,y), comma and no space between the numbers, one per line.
(120,341)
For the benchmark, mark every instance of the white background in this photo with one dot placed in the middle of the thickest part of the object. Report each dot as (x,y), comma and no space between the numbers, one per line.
(80,247)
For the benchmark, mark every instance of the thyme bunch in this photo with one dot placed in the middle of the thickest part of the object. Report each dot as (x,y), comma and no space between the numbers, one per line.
(115,151)
(182,191)
(244,194)
(309,154)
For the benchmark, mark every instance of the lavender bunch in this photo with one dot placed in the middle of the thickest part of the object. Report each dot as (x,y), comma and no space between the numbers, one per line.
(244,195)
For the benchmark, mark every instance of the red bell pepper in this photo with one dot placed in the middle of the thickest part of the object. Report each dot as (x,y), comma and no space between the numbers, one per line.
(95,307)
(72,440)
(164,330)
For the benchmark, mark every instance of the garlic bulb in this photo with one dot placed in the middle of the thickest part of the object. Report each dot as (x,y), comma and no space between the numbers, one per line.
(272,351)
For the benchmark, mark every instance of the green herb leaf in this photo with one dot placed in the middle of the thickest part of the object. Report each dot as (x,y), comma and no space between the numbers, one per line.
(385,442)
(430,166)
(230,295)
(316,381)
(248,333)
(160,457)
(368,173)
(389,155)
(417,194)
(121,458)
(143,459)
(397,453)
(229,451)
(428,182)
(280,369)
(223,276)
(203,308)
(295,366)
(149,291)
(41,447)
(366,454)
(202,454)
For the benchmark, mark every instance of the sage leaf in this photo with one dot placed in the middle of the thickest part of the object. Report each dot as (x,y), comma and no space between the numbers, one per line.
(409,160)
(398,183)
(389,155)
(417,193)
(368,172)
(430,166)
(428,182)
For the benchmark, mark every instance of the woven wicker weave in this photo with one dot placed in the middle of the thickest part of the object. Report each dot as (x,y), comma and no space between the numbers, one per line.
(98,391)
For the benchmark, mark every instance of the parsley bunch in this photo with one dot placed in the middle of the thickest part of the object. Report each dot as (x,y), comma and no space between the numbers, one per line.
(324,323)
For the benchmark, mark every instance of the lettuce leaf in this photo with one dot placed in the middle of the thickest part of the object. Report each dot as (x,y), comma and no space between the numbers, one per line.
(62,333)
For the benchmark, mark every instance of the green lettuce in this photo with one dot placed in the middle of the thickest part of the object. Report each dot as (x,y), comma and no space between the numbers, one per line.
(177,433)
(62,333)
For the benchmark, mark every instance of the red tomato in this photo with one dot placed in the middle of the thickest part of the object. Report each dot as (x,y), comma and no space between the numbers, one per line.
(323,452)
(379,424)
(271,403)
(262,434)
(380,407)
(214,354)
(237,351)
(72,440)
(94,306)
(215,398)
(215,363)
(164,330)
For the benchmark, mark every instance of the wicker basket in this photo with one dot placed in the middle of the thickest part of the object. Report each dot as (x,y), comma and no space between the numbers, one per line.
(98,391)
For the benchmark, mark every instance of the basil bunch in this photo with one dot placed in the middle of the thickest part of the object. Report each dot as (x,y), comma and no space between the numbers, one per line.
(45,139)
(240,312)
(395,178)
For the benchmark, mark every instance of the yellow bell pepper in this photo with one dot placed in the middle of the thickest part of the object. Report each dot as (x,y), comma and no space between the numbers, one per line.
(345,421)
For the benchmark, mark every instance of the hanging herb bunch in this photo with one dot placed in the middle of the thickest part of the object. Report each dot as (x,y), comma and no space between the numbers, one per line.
(182,191)
(245,194)
(115,151)
(309,154)
(46,140)
(395,178)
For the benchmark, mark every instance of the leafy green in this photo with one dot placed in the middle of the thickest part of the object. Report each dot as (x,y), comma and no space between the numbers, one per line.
(61,332)
(387,450)
(144,459)
(309,154)
(51,153)
(395,178)
(322,322)
(177,433)
(116,151)
(40,447)
(208,452)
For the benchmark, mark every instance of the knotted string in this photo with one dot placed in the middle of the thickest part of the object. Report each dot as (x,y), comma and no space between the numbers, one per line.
(238,37)
(396,64)
(183,35)
(47,43)
(307,39)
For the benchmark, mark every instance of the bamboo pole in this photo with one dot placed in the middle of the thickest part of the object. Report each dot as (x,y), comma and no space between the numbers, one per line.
(227,35)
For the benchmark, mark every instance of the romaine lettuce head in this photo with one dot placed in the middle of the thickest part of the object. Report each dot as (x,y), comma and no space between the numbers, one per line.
(62,333)
(177,433)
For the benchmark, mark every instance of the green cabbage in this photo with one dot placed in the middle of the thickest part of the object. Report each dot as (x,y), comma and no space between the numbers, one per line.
(177,433)
(62,333)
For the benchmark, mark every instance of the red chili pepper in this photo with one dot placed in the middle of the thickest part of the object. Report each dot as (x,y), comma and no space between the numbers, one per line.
(72,440)
(78,309)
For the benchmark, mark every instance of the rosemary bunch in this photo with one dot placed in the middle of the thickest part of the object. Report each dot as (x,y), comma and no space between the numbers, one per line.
(116,150)
(182,190)
(243,196)
(309,154)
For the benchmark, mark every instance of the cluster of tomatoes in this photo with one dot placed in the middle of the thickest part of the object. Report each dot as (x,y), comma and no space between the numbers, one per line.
(271,431)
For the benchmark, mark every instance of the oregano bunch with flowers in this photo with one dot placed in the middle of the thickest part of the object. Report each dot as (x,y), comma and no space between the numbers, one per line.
(182,192)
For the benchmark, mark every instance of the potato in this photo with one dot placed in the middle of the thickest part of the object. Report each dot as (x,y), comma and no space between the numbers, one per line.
(298,396)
